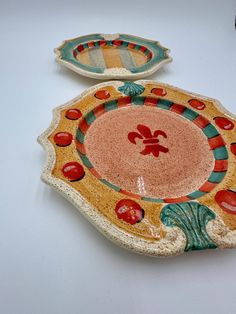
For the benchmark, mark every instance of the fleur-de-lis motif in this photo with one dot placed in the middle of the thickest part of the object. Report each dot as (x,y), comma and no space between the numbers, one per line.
(149,140)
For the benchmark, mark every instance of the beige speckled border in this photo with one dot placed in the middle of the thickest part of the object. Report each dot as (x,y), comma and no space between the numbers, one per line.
(174,241)
(113,73)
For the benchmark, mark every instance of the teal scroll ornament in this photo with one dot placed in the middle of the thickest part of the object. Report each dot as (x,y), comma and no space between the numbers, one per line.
(191,218)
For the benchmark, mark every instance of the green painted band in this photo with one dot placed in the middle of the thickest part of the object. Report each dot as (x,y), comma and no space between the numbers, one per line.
(220,153)
(196,194)
(164,104)
(80,136)
(110,105)
(85,160)
(125,44)
(90,117)
(216,177)
(189,114)
(151,199)
(210,131)
(138,100)
(114,187)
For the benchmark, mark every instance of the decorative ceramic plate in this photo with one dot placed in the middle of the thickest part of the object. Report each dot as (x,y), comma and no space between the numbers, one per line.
(112,56)
(153,167)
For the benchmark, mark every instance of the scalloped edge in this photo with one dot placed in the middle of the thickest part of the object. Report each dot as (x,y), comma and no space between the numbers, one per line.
(113,73)
(175,241)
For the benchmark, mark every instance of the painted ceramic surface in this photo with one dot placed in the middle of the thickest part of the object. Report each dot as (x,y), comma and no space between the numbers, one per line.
(151,166)
(112,56)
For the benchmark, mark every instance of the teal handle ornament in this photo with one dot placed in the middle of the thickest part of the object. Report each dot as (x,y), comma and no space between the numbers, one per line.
(191,218)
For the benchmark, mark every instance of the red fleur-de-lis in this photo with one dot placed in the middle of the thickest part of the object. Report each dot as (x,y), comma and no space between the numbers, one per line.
(149,140)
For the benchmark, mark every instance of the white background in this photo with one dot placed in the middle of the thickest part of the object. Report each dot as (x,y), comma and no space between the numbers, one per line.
(51,259)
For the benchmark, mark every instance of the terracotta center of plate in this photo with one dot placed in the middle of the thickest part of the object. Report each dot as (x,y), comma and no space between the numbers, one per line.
(149,151)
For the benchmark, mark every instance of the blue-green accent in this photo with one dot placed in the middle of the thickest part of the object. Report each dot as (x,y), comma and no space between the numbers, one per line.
(138,101)
(210,131)
(131,89)
(90,117)
(190,114)
(125,44)
(221,153)
(85,160)
(110,105)
(154,200)
(191,218)
(114,187)
(159,53)
(196,194)
(164,104)
(67,48)
(217,177)
(80,135)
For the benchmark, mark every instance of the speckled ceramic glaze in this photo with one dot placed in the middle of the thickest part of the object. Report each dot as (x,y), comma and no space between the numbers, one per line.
(150,165)
(115,56)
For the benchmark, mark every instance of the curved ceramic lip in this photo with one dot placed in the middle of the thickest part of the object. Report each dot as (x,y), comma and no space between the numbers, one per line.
(113,73)
(175,241)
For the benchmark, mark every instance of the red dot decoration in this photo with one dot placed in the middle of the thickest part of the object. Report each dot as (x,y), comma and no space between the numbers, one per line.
(233,148)
(224,123)
(102,43)
(63,138)
(91,44)
(197,104)
(129,211)
(73,171)
(226,199)
(117,42)
(102,94)
(80,48)
(159,91)
(73,114)
(131,45)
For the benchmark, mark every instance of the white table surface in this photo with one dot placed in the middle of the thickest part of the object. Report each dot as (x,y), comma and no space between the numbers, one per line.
(51,259)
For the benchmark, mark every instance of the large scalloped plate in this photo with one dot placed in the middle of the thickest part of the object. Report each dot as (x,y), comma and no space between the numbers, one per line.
(186,201)
(117,56)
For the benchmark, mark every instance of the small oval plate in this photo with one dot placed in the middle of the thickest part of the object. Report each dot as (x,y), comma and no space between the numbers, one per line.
(105,56)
